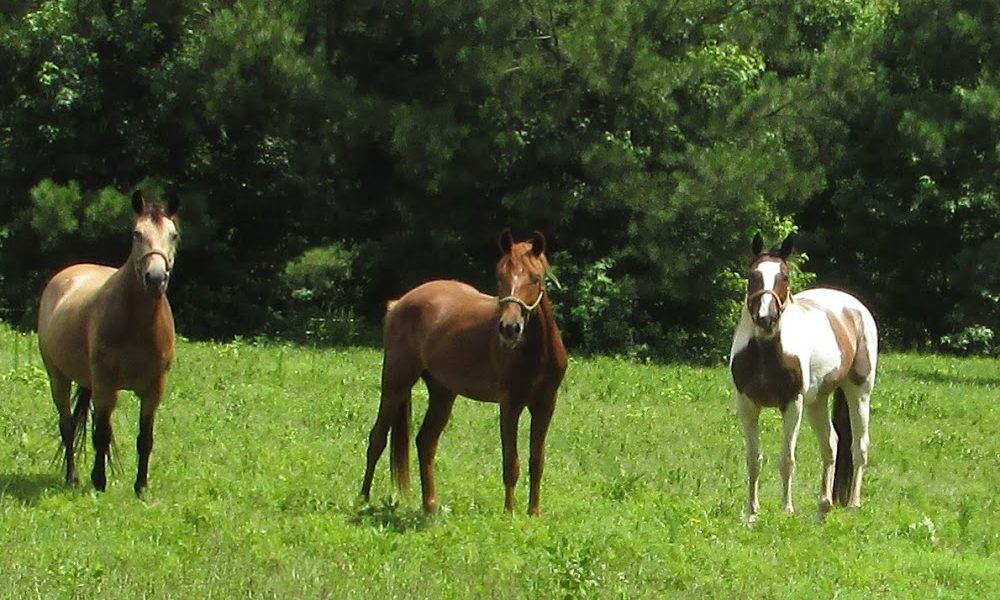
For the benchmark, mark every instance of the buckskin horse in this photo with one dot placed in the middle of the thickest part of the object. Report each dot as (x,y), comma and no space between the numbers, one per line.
(790,352)
(504,349)
(111,329)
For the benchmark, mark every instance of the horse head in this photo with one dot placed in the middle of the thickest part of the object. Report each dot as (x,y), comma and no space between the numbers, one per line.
(768,285)
(521,276)
(155,236)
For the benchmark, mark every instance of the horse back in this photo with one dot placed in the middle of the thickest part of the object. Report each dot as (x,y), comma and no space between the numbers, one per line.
(844,336)
(448,329)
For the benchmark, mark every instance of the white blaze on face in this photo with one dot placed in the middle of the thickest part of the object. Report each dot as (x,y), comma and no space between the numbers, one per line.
(768,270)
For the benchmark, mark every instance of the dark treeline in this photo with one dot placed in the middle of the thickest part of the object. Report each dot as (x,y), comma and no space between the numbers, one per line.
(329,155)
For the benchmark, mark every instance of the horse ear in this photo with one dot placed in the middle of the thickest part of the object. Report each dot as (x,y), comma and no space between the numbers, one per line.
(138,202)
(173,203)
(537,243)
(506,241)
(786,247)
(758,244)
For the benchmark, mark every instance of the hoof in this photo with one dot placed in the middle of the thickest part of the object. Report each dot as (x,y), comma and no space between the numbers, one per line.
(431,506)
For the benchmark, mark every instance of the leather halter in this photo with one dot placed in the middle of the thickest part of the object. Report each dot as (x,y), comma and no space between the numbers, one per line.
(781,303)
(166,261)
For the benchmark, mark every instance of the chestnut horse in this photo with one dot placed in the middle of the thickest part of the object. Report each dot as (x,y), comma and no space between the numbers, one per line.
(791,352)
(505,349)
(112,329)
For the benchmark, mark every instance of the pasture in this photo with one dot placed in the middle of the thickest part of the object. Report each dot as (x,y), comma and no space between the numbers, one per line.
(260,452)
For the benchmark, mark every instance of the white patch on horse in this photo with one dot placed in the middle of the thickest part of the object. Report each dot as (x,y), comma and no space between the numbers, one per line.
(768,270)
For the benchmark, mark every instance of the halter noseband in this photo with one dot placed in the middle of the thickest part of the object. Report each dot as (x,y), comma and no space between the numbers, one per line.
(781,303)
(524,305)
(166,261)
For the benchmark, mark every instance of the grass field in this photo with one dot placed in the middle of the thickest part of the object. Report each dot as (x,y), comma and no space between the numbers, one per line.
(260,451)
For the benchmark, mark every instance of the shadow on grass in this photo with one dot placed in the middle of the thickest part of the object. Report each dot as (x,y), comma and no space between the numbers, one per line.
(28,489)
(389,516)
(951,378)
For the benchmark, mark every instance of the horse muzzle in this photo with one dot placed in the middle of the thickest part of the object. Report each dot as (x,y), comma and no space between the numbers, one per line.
(767,323)
(155,282)
(511,332)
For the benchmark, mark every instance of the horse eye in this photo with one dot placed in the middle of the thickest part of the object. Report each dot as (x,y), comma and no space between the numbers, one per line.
(137,235)
(174,236)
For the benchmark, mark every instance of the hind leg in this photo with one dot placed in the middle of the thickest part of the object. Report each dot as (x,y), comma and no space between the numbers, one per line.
(860,412)
(61,389)
(819,419)
(104,401)
(396,390)
(438,411)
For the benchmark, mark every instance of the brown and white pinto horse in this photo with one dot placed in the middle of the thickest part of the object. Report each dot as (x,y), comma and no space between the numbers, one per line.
(112,329)
(505,349)
(791,352)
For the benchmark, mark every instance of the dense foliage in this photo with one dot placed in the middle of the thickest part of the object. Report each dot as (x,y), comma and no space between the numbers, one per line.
(330,155)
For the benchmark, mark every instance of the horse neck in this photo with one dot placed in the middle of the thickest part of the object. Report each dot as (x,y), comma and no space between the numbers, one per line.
(136,304)
(542,332)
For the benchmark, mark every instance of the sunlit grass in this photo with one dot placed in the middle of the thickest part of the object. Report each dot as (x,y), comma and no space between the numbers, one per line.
(260,451)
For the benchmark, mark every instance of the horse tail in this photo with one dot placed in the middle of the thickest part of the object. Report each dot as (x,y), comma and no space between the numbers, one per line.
(843,470)
(399,440)
(80,414)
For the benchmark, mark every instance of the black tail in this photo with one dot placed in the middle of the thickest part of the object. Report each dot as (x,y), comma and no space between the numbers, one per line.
(843,470)
(80,414)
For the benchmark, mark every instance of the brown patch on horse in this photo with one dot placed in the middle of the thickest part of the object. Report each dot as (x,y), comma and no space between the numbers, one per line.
(765,374)
(847,327)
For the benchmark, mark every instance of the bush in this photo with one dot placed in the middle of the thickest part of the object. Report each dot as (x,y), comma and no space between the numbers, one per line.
(976,339)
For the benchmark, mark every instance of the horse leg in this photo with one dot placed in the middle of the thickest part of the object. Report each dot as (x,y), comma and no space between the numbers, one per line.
(860,410)
(441,400)
(395,396)
(819,419)
(104,404)
(149,402)
(61,389)
(791,418)
(541,416)
(510,414)
(750,419)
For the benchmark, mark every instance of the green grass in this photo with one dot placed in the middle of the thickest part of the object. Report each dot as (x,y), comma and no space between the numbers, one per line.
(260,451)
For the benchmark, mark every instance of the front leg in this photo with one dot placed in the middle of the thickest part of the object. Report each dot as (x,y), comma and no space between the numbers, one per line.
(541,416)
(104,402)
(149,402)
(509,417)
(749,414)
(791,418)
